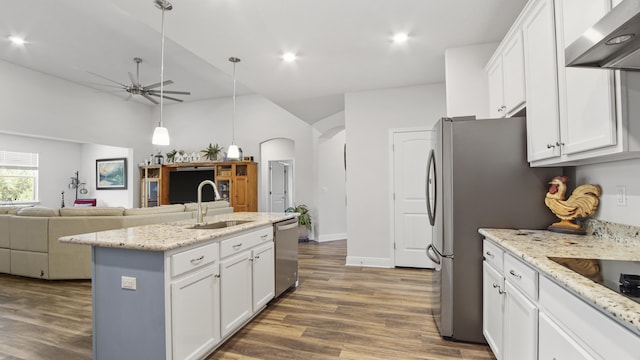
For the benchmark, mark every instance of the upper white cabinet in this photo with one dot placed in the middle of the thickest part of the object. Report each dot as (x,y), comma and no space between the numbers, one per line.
(506,77)
(574,115)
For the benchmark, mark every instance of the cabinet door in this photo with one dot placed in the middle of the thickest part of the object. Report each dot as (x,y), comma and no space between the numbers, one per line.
(587,101)
(513,73)
(195,314)
(240,199)
(263,275)
(496,86)
(492,308)
(235,292)
(554,343)
(520,326)
(541,82)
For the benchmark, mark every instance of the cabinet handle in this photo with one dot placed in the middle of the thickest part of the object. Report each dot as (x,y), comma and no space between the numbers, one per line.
(197,260)
(217,276)
(559,143)
(500,291)
(237,246)
(263,237)
(514,274)
(251,259)
(550,146)
(489,253)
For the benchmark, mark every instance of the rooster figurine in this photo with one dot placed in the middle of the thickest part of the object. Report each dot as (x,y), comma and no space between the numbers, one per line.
(583,202)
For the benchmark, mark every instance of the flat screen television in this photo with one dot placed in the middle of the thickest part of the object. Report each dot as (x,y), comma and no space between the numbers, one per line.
(183,185)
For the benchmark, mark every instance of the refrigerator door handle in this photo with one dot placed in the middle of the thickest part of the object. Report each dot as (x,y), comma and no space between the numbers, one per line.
(431,211)
(432,254)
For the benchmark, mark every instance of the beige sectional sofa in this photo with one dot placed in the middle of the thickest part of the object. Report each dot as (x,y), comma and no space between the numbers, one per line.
(29,243)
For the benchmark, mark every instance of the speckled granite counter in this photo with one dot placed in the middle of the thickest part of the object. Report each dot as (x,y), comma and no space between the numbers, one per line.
(173,235)
(533,246)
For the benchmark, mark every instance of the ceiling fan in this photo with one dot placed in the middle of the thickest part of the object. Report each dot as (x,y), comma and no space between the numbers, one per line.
(135,88)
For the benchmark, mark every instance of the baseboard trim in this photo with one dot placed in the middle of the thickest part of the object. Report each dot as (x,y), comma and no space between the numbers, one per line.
(369,262)
(332,237)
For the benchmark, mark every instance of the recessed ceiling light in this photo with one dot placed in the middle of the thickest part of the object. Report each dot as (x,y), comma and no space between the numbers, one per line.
(289,57)
(400,38)
(16,40)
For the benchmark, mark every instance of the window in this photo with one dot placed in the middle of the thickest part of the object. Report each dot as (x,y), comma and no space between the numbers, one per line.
(18,177)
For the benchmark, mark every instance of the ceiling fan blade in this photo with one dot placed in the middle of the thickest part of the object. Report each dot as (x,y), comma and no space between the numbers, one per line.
(170,92)
(133,79)
(166,97)
(113,81)
(91,83)
(149,98)
(166,82)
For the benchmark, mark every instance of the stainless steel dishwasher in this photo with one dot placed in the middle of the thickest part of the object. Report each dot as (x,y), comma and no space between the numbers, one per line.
(286,248)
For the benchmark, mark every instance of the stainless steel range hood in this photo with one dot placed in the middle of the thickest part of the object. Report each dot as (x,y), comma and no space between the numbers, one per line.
(612,43)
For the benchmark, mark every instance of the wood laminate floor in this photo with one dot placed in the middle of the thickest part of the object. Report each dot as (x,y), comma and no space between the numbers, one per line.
(337,312)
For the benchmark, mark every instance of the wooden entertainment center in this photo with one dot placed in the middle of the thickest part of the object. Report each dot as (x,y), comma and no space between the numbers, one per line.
(237,182)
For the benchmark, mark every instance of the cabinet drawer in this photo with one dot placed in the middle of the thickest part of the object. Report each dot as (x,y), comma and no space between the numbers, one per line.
(245,241)
(521,275)
(193,259)
(493,255)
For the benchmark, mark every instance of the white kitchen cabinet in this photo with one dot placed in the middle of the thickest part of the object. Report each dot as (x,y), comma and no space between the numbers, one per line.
(555,343)
(195,313)
(505,72)
(520,325)
(263,273)
(492,307)
(543,115)
(574,115)
(235,292)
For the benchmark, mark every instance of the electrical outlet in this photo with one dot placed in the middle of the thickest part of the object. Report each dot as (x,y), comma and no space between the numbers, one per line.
(127,282)
(621,195)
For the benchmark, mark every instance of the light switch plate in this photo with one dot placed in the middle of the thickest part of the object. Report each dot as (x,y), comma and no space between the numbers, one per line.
(621,195)
(127,282)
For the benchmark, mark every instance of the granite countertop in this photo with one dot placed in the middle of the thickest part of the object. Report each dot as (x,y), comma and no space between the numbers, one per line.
(533,246)
(173,235)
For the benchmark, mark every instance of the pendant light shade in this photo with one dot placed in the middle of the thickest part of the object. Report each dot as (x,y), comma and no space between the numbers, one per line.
(234,152)
(161,133)
(160,136)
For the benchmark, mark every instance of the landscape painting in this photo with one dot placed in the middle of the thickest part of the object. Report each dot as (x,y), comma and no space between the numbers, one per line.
(111,174)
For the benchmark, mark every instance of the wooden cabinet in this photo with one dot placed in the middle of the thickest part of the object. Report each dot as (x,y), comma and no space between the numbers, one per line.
(506,77)
(150,185)
(237,182)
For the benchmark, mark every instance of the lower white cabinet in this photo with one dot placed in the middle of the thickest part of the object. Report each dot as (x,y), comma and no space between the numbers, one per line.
(235,291)
(263,271)
(520,325)
(556,344)
(493,307)
(195,313)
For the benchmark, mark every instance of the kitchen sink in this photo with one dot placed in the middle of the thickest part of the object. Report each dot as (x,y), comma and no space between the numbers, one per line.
(219,224)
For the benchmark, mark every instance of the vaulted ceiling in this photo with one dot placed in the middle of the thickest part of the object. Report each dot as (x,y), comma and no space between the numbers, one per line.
(342,45)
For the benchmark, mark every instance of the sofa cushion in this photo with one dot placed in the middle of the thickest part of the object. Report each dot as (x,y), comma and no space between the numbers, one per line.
(11,210)
(155,210)
(92,211)
(38,211)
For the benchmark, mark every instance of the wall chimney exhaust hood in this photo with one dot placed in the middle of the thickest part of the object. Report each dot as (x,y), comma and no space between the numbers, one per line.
(612,43)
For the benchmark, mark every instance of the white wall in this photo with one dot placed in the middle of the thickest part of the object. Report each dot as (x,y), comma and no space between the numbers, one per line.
(40,105)
(608,176)
(59,160)
(331,221)
(368,117)
(466,81)
(90,153)
(194,125)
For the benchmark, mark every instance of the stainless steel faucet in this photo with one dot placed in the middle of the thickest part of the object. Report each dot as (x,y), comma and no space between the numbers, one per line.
(217,197)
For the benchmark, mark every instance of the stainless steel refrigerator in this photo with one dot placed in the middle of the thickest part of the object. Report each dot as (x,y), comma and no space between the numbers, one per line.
(477,176)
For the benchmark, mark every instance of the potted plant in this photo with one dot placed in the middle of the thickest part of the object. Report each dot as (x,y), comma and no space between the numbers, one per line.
(212,152)
(171,155)
(304,220)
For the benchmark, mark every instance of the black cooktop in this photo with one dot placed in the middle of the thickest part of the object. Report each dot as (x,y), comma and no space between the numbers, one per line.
(620,276)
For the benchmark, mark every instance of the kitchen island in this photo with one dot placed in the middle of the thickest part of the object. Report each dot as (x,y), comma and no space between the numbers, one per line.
(563,313)
(176,290)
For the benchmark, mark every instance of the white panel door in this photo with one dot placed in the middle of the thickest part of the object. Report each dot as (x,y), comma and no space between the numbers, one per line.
(412,232)
(277,186)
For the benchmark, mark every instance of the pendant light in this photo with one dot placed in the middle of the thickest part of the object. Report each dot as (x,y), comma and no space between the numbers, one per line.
(234,152)
(161,134)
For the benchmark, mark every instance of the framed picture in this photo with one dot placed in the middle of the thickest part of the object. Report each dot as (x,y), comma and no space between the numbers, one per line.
(111,174)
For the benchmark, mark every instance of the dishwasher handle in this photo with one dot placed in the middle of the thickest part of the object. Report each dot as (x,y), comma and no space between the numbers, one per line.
(287,227)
